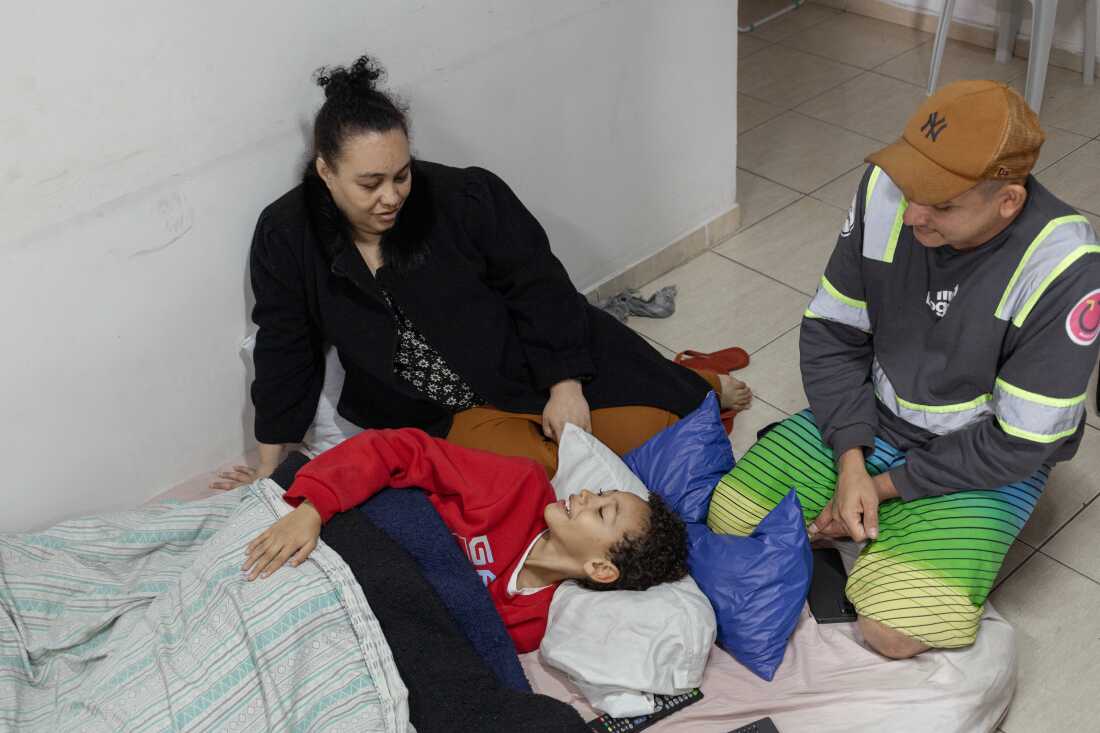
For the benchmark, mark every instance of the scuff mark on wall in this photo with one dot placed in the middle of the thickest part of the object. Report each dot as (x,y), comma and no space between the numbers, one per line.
(177,216)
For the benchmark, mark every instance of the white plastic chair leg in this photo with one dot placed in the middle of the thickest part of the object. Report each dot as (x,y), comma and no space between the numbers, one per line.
(1010,16)
(939,44)
(1042,37)
(1092,20)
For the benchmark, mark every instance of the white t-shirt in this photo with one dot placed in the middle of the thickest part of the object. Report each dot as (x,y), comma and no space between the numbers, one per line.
(513,582)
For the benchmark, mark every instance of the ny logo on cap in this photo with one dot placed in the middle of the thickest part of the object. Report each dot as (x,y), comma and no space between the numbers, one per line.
(934,126)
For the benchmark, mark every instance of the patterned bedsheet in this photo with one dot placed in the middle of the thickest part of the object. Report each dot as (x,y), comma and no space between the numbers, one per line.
(142,621)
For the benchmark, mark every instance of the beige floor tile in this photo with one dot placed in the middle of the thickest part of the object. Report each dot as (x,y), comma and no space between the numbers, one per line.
(774,375)
(792,246)
(722,304)
(787,25)
(871,104)
(746,424)
(1092,417)
(1076,546)
(786,77)
(802,153)
(752,112)
(1059,144)
(747,45)
(960,61)
(1075,179)
(1072,485)
(857,40)
(760,197)
(1017,554)
(1069,104)
(839,193)
(1053,610)
(1095,219)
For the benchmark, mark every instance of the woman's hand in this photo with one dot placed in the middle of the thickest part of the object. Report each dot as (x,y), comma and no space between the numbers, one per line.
(271,455)
(566,404)
(239,476)
(292,538)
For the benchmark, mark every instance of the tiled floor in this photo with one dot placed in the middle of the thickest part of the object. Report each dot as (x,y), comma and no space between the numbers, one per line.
(819,90)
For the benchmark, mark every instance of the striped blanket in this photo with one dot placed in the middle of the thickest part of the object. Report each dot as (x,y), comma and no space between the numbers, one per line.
(142,621)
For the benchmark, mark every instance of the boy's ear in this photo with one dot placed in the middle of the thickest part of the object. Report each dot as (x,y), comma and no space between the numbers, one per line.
(601,571)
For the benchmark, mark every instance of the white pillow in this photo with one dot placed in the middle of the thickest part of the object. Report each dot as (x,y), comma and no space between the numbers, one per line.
(329,428)
(620,647)
(586,463)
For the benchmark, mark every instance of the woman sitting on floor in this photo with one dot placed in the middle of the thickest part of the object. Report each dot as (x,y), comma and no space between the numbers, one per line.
(439,291)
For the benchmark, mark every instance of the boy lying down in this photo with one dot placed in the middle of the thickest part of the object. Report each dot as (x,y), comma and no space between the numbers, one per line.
(503,513)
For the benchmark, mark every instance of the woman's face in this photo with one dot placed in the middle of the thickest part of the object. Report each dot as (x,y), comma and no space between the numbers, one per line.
(371,179)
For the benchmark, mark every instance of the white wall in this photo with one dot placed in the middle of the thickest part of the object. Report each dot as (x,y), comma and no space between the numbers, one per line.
(140,139)
(1069,32)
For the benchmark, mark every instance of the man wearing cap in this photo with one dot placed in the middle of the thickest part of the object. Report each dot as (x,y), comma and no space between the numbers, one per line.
(946,356)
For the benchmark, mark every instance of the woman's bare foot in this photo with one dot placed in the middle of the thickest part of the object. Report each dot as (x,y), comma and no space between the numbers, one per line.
(736,395)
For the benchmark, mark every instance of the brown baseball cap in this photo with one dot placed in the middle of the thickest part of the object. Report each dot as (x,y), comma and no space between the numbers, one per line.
(965,133)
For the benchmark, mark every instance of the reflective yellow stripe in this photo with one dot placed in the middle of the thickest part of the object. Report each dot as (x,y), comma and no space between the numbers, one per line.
(938,419)
(1041,399)
(1034,437)
(942,409)
(841,296)
(1039,238)
(875,173)
(896,231)
(1062,267)
(810,314)
(883,217)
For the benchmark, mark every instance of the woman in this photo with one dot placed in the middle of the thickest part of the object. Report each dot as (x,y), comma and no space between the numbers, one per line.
(439,292)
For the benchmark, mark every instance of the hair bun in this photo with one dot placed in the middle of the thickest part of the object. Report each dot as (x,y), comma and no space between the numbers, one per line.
(359,78)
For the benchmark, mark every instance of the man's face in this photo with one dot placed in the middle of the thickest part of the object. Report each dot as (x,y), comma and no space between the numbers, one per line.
(968,220)
(588,525)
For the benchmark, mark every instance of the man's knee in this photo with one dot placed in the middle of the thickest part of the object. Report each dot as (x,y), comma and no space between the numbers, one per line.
(889,642)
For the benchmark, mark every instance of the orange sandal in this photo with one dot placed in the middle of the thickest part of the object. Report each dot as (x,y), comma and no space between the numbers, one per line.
(721,362)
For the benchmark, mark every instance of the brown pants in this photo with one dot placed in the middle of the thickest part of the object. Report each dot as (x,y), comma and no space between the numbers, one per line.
(622,429)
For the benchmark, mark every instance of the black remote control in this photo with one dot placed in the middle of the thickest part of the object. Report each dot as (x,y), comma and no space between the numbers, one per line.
(665,705)
(764,725)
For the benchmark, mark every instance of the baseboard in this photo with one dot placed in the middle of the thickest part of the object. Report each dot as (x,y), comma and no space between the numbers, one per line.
(977,35)
(688,247)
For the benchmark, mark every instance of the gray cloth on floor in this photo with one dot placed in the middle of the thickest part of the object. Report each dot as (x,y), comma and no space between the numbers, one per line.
(661,304)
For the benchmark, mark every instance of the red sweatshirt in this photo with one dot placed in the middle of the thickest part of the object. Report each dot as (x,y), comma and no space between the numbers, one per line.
(492,504)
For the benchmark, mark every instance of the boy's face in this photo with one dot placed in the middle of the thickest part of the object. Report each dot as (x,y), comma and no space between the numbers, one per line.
(588,525)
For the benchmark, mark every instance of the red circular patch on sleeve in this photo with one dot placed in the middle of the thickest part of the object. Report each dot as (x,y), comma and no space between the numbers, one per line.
(1083,321)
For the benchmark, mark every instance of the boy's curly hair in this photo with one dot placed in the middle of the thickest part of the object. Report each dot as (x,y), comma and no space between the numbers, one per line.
(657,555)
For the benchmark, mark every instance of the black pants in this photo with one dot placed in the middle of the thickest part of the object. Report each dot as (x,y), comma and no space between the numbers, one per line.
(450,686)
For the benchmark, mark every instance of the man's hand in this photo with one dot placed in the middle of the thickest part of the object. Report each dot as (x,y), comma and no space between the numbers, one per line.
(292,538)
(855,502)
(566,404)
(827,525)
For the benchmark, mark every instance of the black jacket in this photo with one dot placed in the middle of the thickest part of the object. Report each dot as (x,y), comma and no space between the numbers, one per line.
(472,268)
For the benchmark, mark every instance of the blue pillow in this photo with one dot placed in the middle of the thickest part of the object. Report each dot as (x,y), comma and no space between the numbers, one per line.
(757,584)
(684,462)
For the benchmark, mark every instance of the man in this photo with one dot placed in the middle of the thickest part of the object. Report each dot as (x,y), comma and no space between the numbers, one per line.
(946,356)
(502,511)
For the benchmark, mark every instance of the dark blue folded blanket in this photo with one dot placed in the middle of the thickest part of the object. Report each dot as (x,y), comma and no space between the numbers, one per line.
(411,521)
